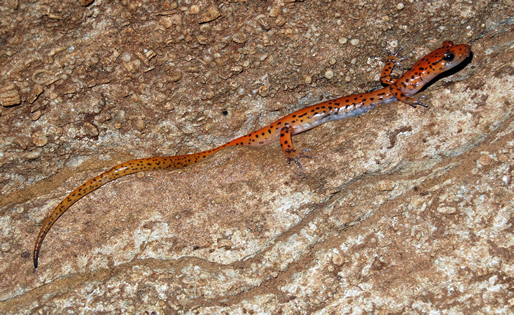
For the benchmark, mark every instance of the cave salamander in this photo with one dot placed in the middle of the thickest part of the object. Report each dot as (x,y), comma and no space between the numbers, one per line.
(401,89)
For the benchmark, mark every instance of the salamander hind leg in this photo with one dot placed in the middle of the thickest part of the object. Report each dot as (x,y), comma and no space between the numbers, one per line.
(291,153)
(412,101)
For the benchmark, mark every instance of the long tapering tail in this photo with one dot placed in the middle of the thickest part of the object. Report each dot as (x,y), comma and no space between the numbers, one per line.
(130,167)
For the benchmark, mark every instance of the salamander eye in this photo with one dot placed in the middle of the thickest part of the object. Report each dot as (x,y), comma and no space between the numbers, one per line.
(448,57)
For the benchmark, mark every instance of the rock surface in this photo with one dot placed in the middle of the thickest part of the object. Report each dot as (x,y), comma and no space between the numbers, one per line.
(401,210)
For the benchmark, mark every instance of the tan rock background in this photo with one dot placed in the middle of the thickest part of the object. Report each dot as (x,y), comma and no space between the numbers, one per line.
(401,210)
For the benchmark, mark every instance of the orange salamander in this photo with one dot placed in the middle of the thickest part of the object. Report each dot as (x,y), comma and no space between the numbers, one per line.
(423,71)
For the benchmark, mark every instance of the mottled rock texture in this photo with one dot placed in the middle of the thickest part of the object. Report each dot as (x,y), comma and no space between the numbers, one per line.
(401,210)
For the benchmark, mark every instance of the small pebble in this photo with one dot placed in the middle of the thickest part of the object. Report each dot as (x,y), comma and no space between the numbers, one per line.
(85,3)
(338,259)
(485,160)
(39,138)
(263,90)
(174,76)
(139,124)
(239,38)
(103,117)
(274,12)
(33,154)
(385,185)
(5,247)
(354,42)
(19,208)
(9,95)
(194,9)
(35,92)
(91,129)
(263,22)
(210,14)
(36,115)
(446,210)
(236,69)
(281,20)
(329,74)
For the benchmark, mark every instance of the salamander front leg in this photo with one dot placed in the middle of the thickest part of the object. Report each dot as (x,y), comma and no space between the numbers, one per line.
(391,61)
(286,144)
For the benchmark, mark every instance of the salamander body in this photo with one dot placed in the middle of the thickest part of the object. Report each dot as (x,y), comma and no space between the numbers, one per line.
(402,89)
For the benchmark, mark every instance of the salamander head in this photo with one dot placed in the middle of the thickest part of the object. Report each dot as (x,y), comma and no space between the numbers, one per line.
(448,56)
(432,65)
